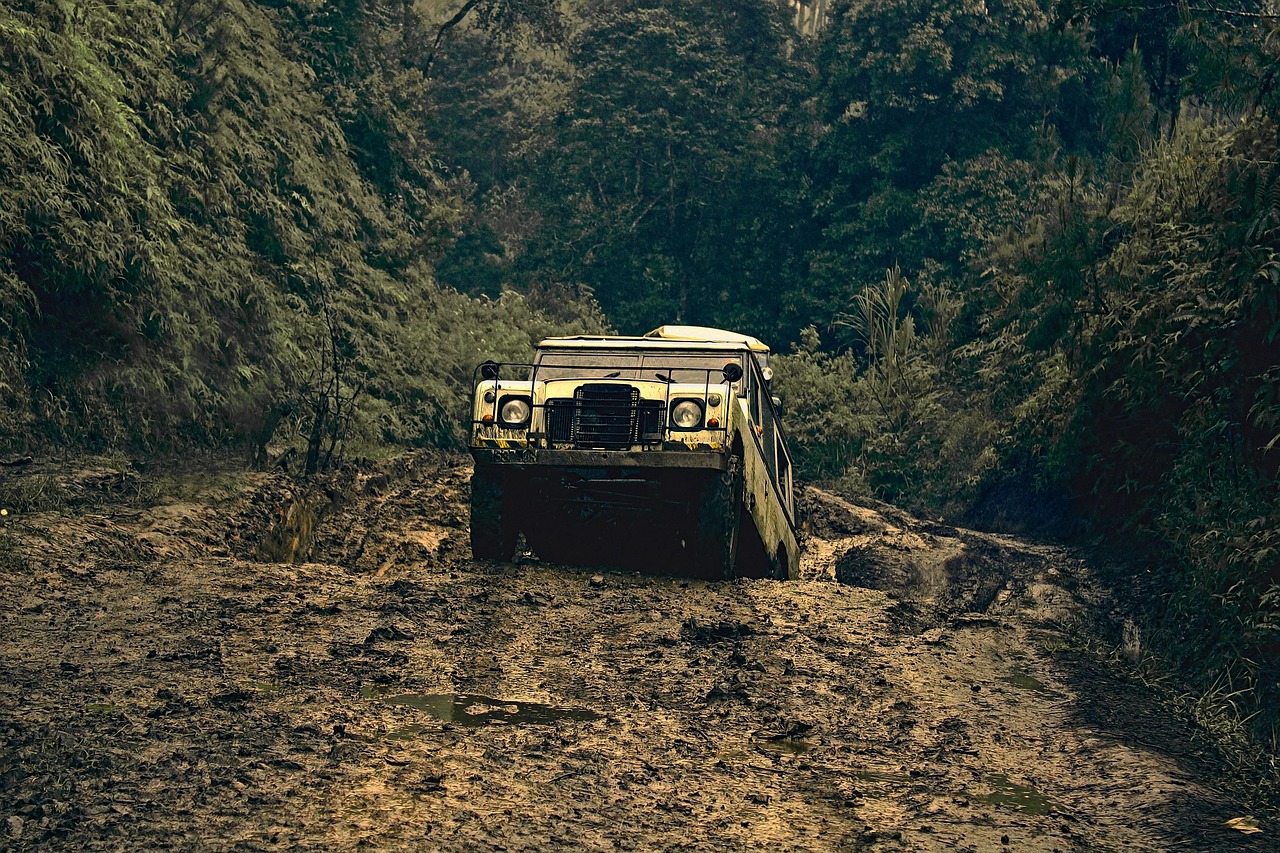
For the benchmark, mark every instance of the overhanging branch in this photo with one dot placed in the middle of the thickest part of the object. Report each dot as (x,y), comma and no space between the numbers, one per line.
(458,18)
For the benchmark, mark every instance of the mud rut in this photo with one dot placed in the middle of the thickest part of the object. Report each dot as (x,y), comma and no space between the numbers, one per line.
(166,684)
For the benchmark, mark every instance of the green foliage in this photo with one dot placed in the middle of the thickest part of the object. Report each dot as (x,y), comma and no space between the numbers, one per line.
(887,424)
(933,115)
(1223,523)
(1102,273)
(1147,34)
(1128,116)
(1148,316)
(660,184)
(505,23)
(431,400)
(220,226)
(823,426)
(487,120)
(972,203)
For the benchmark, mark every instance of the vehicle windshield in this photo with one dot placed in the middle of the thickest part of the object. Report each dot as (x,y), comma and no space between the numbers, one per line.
(580,364)
(699,368)
(666,365)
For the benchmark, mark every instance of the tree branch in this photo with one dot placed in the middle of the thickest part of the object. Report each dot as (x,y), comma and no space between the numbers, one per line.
(1233,13)
(458,18)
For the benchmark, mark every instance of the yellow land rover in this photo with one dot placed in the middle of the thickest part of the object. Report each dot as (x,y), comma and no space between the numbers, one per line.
(660,453)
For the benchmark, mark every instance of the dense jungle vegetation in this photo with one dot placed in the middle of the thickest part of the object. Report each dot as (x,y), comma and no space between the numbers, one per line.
(1022,255)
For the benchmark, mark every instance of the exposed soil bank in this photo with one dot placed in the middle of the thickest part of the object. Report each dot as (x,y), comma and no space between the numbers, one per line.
(164,683)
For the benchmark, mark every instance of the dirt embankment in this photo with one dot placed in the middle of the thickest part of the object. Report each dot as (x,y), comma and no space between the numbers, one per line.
(219,660)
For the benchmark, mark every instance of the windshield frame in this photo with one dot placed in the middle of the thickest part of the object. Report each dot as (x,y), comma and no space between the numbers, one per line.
(637,364)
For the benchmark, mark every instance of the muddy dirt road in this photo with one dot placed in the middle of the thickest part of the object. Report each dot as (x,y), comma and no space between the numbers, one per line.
(170,679)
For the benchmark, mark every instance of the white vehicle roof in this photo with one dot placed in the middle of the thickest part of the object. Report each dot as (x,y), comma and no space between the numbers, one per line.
(666,337)
(706,333)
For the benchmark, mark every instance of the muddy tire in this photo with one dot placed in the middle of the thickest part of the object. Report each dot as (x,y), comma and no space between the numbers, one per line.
(493,527)
(753,557)
(780,566)
(715,540)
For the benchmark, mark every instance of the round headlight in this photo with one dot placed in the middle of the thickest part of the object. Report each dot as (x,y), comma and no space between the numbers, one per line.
(687,414)
(514,411)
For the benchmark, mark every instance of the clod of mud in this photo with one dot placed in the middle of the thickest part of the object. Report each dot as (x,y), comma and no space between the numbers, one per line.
(391,632)
(934,572)
(694,631)
(794,737)
(786,745)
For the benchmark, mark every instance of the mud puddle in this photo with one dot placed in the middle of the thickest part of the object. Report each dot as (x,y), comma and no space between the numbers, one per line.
(1029,683)
(785,746)
(1022,798)
(474,711)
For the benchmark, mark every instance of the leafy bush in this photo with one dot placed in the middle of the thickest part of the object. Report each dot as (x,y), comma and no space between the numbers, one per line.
(888,424)
(217,226)
(822,426)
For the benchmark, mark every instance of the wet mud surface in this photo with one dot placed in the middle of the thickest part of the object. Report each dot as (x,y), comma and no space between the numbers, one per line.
(228,660)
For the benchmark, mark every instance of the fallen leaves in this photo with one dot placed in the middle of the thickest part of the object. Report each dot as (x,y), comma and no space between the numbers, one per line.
(1247,824)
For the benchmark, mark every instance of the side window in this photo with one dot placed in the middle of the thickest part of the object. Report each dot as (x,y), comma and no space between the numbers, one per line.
(754,392)
(767,430)
(784,473)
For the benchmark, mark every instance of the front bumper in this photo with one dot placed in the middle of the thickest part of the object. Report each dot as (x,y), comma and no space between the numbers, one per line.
(713,459)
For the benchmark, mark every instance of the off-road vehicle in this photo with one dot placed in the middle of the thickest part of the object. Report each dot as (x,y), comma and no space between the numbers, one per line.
(661,453)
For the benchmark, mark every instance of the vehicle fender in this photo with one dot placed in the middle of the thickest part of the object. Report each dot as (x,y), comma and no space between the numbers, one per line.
(761,501)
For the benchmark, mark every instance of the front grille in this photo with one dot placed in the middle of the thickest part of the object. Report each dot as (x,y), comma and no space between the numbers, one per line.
(604,417)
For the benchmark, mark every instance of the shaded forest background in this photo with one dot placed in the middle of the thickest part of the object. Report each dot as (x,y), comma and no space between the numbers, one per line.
(1021,255)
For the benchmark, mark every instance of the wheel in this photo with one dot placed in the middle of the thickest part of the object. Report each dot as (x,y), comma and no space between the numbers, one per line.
(753,557)
(493,527)
(753,560)
(715,539)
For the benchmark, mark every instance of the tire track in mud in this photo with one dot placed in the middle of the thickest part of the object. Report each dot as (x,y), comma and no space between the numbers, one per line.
(920,688)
